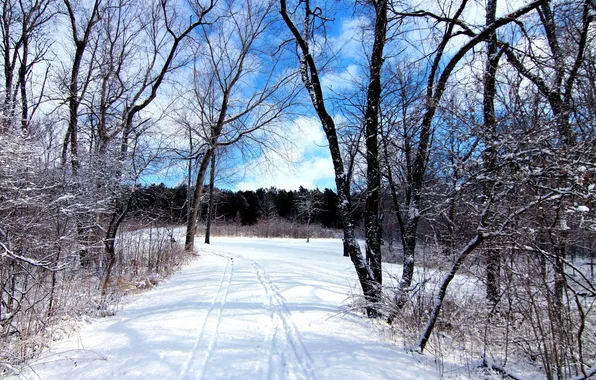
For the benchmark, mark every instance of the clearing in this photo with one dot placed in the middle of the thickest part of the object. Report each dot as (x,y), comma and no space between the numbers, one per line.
(244,309)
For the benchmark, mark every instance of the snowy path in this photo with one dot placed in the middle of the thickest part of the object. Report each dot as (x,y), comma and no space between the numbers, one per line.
(245,309)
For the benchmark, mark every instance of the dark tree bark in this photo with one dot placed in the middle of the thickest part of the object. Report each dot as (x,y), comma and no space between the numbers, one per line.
(493,256)
(23,86)
(120,211)
(9,59)
(195,206)
(373,170)
(215,133)
(416,174)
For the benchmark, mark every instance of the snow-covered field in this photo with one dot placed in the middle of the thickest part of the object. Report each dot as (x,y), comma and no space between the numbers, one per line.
(244,309)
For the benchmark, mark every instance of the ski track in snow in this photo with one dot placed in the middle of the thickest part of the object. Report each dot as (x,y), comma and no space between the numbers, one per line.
(301,363)
(199,336)
(281,317)
(280,314)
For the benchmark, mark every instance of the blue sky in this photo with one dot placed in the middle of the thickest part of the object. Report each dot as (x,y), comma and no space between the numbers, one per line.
(302,159)
(305,162)
(310,164)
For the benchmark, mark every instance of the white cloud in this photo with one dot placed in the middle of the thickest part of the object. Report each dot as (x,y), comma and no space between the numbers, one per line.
(303,160)
(349,41)
(311,133)
(339,81)
(316,172)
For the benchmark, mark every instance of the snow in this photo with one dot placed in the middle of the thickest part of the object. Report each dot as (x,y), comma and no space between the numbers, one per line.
(245,309)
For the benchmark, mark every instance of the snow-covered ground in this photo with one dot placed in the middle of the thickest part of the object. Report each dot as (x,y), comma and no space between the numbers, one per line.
(244,309)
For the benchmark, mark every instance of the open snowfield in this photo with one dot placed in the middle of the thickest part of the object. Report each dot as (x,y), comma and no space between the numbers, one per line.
(244,309)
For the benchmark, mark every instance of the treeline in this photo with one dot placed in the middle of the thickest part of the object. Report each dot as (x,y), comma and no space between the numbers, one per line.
(244,207)
(165,205)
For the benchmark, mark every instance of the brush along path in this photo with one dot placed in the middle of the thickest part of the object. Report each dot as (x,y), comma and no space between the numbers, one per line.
(246,309)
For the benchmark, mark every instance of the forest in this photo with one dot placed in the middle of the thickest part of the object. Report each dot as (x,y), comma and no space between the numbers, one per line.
(462,129)
(165,205)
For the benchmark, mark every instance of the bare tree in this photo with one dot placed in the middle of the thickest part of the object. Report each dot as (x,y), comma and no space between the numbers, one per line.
(369,275)
(81,33)
(224,114)
(493,258)
(508,166)
(142,97)
(24,47)
(555,78)
(123,51)
(308,204)
(372,129)
(436,84)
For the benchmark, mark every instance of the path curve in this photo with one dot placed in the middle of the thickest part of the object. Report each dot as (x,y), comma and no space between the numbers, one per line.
(245,309)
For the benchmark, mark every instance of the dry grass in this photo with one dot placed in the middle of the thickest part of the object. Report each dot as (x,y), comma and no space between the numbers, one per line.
(527,332)
(145,257)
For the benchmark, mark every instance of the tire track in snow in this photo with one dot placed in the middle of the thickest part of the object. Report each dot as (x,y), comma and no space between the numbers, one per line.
(199,335)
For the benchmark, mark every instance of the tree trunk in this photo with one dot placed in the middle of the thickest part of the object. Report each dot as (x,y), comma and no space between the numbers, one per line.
(493,276)
(9,67)
(191,223)
(493,256)
(109,242)
(23,85)
(110,251)
(409,247)
(53,283)
(71,137)
(373,170)
(211,188)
